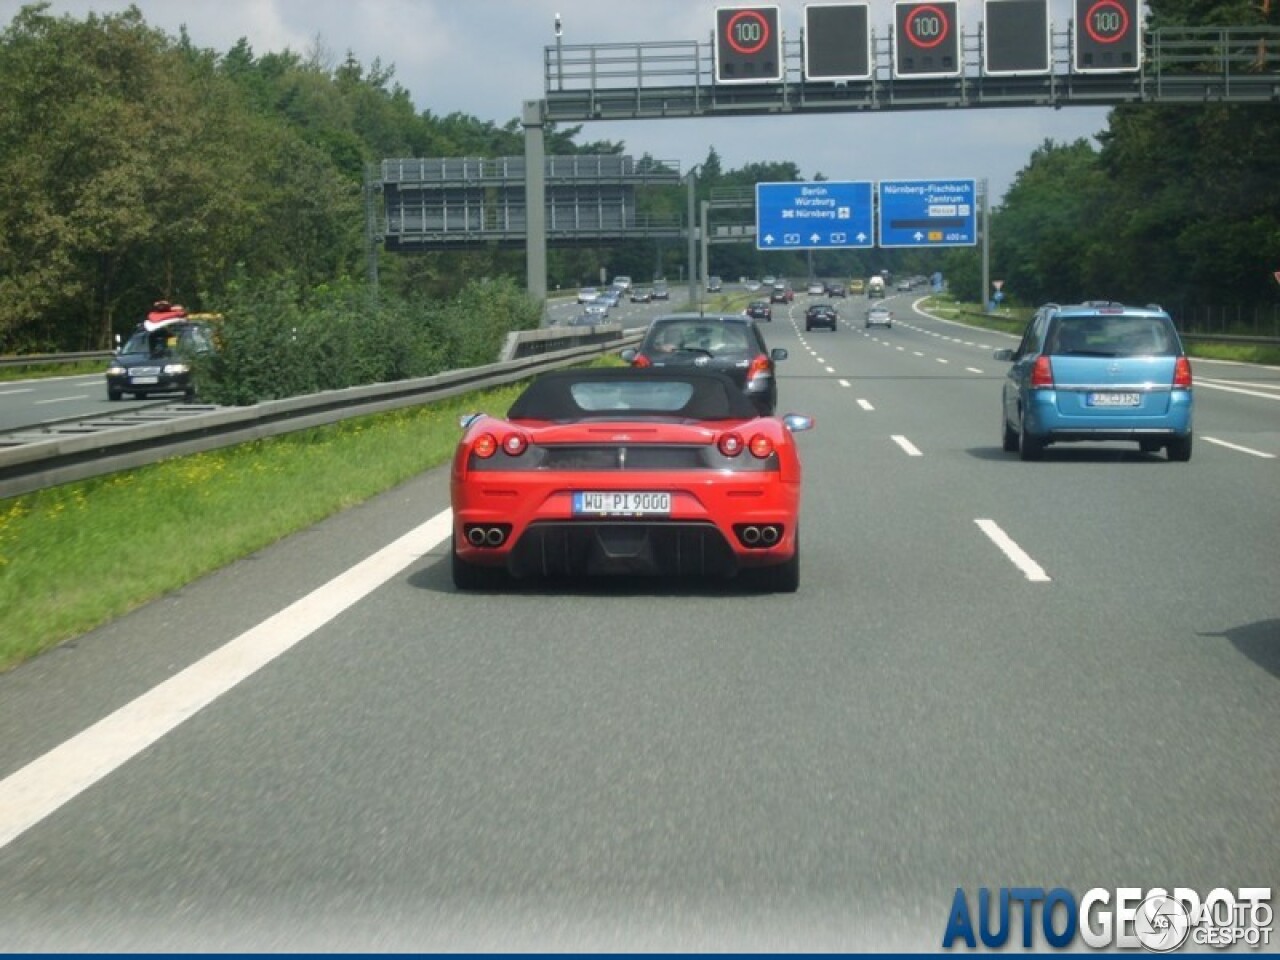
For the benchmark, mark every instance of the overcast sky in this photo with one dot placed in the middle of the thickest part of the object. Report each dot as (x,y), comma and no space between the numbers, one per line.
(485,58)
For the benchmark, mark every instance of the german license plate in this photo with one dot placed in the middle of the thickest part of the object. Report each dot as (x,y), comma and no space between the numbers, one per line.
(621,503)
(1113,400)
(144,379)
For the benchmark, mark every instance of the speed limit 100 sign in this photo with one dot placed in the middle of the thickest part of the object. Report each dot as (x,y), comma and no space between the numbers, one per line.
(1107,36)
(748,45)
(927,40)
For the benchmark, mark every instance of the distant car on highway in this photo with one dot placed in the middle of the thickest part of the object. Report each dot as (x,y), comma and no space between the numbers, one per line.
(622,282)
(714,284)
(821,315)
(598,309)
(661,291)
(781,293)
(904,284)
(857,287)
(611,297)
(588,294)
(816,288)
(879,317)
(836,289)
(760,310)
(641,294)
(1098,371)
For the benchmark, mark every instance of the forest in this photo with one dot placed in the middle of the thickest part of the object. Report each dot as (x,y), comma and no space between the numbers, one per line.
(137,166)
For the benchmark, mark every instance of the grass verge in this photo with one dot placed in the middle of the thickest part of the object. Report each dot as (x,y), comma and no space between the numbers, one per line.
(39,371)
(63,563)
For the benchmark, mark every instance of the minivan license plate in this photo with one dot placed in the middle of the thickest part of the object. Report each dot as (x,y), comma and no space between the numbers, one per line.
(1113,400)
(621,503)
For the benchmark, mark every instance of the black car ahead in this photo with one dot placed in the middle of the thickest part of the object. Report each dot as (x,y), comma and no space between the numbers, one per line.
(836,289)
(159,360)
(760,310)
(821,315)
(727,343)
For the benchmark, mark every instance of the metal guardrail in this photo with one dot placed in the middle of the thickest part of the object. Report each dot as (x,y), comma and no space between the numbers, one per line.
(36,359)
(1230,338)
(70,453)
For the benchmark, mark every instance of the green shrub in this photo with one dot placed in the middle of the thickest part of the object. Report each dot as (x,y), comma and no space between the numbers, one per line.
(279,341)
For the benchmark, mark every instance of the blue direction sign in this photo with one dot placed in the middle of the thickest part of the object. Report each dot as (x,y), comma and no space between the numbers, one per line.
(814,215)
(928,213)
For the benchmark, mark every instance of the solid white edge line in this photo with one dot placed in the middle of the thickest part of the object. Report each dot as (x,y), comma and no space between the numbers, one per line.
(907,446)
(1225,389)
(1240,449)
(35,791)
(1030,569)
(1239,383)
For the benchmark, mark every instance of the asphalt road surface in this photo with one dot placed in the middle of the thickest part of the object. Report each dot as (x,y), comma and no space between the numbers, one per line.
(995,673)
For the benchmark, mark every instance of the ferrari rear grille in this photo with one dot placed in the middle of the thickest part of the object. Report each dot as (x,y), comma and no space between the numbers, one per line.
(673,548)
(622,457)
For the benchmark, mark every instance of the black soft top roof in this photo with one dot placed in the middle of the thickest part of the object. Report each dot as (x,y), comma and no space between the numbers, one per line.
(550,397)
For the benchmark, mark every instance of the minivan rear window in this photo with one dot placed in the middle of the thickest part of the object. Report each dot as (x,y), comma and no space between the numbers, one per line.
(1113,335)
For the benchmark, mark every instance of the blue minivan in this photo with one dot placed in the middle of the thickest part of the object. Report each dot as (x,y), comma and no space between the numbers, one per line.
(1097,371)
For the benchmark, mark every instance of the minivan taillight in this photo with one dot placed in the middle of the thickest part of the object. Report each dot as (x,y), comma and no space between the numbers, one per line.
(1182,374)
(1042,373)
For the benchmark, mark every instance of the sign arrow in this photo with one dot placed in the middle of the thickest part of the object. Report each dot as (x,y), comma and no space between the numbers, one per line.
(768,238)
(815,238)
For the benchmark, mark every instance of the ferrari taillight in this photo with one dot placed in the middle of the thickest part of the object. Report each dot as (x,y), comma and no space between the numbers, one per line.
(485,446)
(729,444)
(1182,374)
(761,446)
(1042,373)
(515,444)
(641,361)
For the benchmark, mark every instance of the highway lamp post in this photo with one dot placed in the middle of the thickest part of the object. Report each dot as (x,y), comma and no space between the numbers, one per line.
(984,215)
(691,229)
(703,235)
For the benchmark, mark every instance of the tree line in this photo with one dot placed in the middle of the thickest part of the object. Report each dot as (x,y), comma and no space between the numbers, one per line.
(137,166)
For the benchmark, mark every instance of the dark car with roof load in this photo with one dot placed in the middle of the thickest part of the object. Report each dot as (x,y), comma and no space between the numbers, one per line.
(160,360)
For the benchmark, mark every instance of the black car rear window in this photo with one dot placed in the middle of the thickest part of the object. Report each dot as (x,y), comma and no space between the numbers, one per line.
(610,393)
(701,335)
